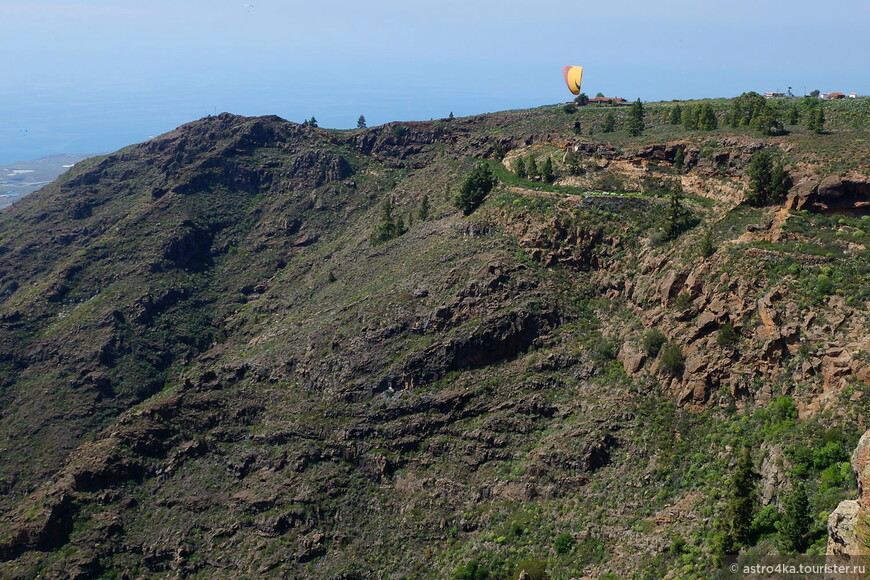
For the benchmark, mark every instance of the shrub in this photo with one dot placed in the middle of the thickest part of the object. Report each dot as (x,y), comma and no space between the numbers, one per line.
(653,339)
(534,569)
(683,301)
(564,542)
(782,409)
(727,335)
(473,570)
(672,359)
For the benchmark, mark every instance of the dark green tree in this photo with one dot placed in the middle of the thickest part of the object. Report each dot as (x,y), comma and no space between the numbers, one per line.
(609,124)
(635,124)
(361,122)
(794,115)
(690,118)
(768,181)
(795,524)
(450,116)
(679,159)
(706,248)
(475,188)
(767,121)
(423,213)
(741,504)
(819,124)
(389,227)
(532,171)
(548,174)
(572,162)
(677,213)
(520,168)
(676,115)
(707,118)
(582,100)
(473,570)
(312,122)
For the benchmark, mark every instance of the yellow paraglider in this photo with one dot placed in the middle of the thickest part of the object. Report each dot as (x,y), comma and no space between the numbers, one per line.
(573,76)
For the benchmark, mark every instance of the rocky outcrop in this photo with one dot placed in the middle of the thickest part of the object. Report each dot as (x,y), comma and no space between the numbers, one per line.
(848,532)
(832,194)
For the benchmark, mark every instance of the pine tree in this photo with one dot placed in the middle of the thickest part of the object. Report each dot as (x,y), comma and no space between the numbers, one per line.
(609,124)
(794,526)
(389,227)
(312,122)
(690,118)
(548,174)
(677,213)
(635,124)
(361,122)
(424,208)
(520,168)
(706,118)
(676,115)
(679,159)
(532,171)
(741,504)
(820,120)
(475,188)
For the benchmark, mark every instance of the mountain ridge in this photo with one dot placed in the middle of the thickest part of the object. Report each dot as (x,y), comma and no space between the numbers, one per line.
(232,377)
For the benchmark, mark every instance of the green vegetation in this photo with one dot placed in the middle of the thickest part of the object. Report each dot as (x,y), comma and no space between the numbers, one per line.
(635,123)
(727,335)
(475,187)
(653,340)
(768,180)
(284,397)
(389,227)
(741,505)
(671,359)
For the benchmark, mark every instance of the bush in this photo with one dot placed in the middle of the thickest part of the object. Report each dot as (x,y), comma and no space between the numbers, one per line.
(473,570)
(671,359)
(727,335)
(564,542)
(683,301)
(535,569)
(653,339)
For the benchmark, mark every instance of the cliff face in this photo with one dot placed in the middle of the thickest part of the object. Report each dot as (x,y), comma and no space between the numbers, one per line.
(207,369)
(847,525)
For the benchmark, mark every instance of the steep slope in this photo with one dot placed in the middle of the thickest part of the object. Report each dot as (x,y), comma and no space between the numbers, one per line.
(209,370)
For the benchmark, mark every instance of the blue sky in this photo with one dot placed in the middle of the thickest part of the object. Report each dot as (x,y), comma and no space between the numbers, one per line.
(94,75)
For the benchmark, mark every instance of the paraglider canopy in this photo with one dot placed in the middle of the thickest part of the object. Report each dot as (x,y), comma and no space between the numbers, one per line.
(573,76)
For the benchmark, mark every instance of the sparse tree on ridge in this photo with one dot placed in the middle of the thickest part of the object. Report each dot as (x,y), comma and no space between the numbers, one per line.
(532,171)
(548,174)
(361,122)
(475,188)
(635,124)
(520,168)
(609,124)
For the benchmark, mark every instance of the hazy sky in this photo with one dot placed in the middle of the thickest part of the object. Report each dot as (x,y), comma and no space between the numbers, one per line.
(94,75)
